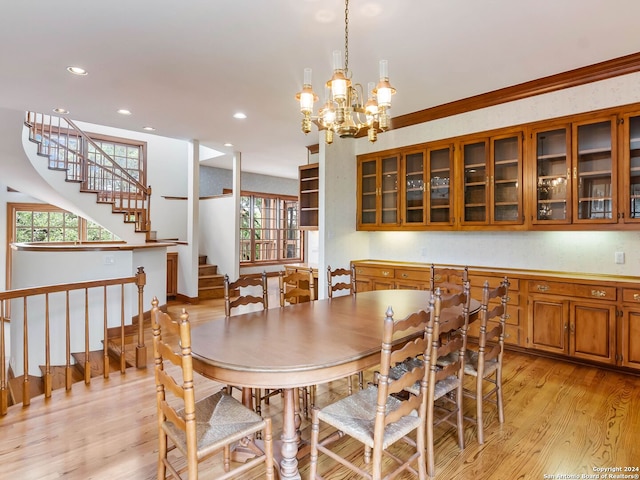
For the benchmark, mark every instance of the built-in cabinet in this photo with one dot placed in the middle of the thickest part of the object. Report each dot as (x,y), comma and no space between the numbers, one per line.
(573,319)
(585,318)
(172,274)
(309,183)
(576,172)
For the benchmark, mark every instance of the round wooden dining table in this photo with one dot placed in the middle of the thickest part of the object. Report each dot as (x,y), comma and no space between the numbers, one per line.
(300,345)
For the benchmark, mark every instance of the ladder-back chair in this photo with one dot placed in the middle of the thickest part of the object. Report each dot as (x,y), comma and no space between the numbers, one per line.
(297,286)
(449,280)
(380,416)
(197,429)
(233,292)
(341,280)
(485,363)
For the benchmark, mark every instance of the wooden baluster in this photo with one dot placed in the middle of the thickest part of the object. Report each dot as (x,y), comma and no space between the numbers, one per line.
(87,363)
(123,363)
(67,371)
(141,349)
(105,335)
(4,394)
(48,386)
(26,392)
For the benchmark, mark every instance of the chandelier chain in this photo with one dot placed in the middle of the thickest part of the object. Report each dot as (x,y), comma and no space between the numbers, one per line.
(346,36)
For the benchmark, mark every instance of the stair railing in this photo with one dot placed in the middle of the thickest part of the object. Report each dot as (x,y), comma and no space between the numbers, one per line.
(63,142)
(71,306)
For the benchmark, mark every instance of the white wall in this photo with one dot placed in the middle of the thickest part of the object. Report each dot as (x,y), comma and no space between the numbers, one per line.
(217,241)
(587,252)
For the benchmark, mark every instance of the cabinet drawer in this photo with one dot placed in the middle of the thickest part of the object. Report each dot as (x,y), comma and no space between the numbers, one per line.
(375,271)
(419,275)
(631,295)
(598,292)
(478,281)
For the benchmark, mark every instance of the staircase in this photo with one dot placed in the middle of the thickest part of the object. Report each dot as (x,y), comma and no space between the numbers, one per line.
(66,148)
(210,282)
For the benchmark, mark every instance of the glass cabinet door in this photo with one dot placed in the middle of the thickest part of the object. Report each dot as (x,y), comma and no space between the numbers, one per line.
(553,175)
(389,190)
(593,174)
(631,171)
(507,179)
(414,195)
(368,192)
(475,182)
(440,161)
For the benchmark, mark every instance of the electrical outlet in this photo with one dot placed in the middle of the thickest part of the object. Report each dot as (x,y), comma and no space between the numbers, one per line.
(619,257)
(109,260)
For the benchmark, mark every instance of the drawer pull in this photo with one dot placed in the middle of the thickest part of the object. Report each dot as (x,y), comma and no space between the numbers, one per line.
(405,275)
(437,278)
(636,297)
(542,288)
(598,293)
(385,273)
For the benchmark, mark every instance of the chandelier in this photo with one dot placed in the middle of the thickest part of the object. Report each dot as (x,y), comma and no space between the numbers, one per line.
(345,111)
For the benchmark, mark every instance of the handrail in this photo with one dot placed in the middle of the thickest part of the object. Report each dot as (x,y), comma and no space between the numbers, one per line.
(73,309)
(102,175)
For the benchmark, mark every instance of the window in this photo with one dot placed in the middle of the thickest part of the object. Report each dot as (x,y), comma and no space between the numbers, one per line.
(269,229)
(46,223)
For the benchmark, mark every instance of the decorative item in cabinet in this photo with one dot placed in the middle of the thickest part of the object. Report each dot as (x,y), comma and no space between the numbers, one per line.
(593,173)
(631,167)
(475,182)
(440,160)
(553,176)
(309,187)
(378,192)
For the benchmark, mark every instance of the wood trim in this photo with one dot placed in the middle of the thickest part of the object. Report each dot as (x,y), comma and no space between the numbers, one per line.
(572,78)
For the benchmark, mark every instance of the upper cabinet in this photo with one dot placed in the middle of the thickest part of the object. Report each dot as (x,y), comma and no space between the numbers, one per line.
(574,173)
(378,195)
(492,180)
(630,171)
(594,173)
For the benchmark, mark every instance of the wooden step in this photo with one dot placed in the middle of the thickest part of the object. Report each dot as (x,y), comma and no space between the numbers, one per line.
(210,292)
(202,259)
(210,281)
(207,269)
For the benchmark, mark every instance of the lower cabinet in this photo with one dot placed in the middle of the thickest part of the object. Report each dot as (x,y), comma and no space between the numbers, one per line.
(561,322)
(586,318)
(577,329)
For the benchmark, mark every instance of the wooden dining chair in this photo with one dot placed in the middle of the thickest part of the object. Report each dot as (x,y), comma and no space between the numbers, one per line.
(249,290)
(297,286)
(448,279)
(485,362)
(445,383)
(381,416)
(341,280)
(198,429)
(235,296)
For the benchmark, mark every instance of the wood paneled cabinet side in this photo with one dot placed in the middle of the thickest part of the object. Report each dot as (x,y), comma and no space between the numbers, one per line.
(172,274)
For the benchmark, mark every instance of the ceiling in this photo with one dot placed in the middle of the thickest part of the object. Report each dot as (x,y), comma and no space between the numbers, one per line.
(185,67)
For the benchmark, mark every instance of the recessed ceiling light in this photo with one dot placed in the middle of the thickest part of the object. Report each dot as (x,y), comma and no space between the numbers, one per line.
(124,111)
(228,144)
(149,129)
(61,111)
(239,115)
(77,70)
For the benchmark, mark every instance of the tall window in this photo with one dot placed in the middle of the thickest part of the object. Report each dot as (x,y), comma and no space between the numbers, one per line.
(46,223)
(269,229)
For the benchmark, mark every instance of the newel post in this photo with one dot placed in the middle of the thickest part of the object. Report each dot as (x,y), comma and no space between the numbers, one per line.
(141,349)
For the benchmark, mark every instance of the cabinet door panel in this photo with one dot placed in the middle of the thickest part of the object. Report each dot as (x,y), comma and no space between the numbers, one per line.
(593,332)
(553,176)
(548,323)
(506,179)
(630,350)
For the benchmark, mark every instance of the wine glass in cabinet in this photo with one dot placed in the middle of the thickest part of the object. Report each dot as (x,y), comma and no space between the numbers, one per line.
(553,175)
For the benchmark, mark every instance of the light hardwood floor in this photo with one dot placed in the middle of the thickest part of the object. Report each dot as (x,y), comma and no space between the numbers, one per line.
(560,418)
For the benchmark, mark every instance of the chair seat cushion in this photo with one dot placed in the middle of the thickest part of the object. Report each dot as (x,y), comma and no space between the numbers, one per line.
(219,419)
(355,416)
